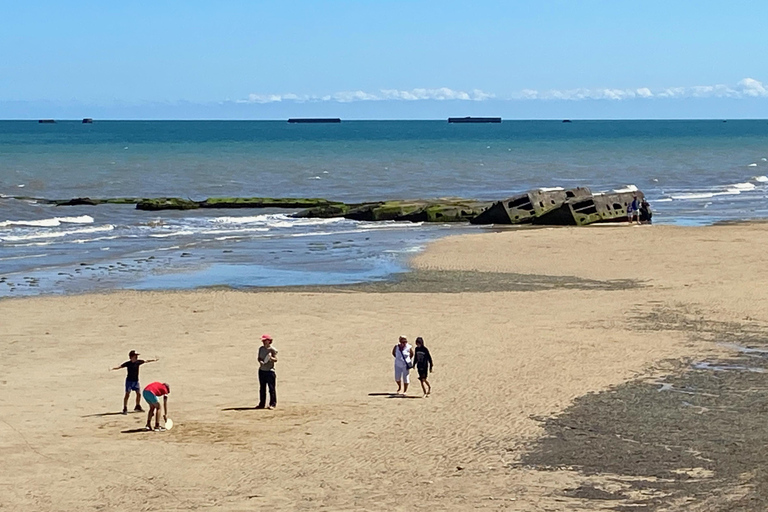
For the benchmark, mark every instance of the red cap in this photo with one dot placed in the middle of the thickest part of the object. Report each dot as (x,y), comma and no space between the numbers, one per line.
(266,337)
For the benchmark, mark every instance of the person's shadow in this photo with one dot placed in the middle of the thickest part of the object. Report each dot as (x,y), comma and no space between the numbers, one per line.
(136,431)
(101,414)
(243,408)
(392,395)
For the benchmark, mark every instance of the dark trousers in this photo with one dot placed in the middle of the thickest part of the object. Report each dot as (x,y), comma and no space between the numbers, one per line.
(267,379)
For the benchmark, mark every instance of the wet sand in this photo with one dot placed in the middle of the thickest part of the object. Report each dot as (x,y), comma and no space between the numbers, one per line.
(575,369)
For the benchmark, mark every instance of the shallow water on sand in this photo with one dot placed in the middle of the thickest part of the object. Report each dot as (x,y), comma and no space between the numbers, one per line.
(693,172)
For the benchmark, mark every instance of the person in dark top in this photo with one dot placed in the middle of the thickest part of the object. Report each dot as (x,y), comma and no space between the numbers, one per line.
(423,365)
(132,379)
(645,212)
(633,210)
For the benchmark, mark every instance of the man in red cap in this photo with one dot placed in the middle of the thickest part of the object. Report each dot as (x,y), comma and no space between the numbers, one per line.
(132,379)
(267,358)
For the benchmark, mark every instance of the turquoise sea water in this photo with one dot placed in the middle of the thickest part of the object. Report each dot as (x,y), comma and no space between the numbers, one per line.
(693,172)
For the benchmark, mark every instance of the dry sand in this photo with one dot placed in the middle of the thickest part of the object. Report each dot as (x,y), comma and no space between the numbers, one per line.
(337,441)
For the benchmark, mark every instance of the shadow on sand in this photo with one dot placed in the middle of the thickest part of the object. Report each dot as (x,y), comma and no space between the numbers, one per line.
(101,414)
(392,395)
(136,431)
(244,409)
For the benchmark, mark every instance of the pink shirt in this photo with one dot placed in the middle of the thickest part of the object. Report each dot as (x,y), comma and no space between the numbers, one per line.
(157,389)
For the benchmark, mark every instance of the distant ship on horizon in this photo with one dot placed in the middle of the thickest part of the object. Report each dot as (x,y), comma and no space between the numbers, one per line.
(314,120)
(474,119)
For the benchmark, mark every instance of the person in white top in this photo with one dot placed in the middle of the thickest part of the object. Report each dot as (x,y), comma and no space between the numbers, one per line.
(403,354)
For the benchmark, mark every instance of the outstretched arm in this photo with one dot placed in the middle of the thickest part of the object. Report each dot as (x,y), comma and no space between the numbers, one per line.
(115,368)
(151,360)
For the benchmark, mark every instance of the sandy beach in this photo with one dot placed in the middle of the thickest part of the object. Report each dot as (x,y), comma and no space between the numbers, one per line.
(526,326)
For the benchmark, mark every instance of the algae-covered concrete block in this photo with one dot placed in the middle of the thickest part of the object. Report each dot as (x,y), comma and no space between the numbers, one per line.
(263,202)
(167,203)
(324,212)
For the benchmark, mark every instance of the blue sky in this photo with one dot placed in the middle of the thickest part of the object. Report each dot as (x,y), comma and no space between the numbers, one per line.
(386,59)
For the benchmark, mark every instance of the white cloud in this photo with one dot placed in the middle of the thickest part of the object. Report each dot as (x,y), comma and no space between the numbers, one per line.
(748,87)
(439,94)
(348,96)
(752,87)
(644,92)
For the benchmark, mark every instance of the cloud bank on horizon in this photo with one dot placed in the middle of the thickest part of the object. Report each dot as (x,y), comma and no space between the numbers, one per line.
(746,88)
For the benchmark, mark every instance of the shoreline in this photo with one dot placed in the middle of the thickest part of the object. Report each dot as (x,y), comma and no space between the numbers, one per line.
(405,276)
(563,357)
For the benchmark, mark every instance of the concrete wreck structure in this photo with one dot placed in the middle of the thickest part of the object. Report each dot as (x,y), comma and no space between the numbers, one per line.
(544,206)
(597,208)
(523,208)
(561,207)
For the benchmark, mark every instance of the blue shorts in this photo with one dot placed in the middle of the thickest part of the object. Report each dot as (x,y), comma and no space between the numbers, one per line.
(150,397)
(132,385)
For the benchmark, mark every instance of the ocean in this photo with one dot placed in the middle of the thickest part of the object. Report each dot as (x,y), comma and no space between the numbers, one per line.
(692,172)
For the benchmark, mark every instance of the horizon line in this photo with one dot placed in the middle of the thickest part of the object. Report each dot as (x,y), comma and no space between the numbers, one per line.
(443,119)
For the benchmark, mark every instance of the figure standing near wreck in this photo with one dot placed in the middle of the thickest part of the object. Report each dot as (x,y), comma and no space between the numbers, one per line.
(403,354)
(633,210)
(645,212)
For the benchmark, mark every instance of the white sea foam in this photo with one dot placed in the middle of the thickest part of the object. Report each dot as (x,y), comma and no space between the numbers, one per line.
(628,188)
(390,225)
(88,240)
(278,221)
(764,159)
(283,221)
(732,189)
(360,229)
(183,232)
(407,250)
(752,165)
(315,233)
(49,223)
(692,195)
(24,257)
(32,244)
(234,231)
(706,195)
(240,220)
(56,234)
(550,189)
(741,186)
